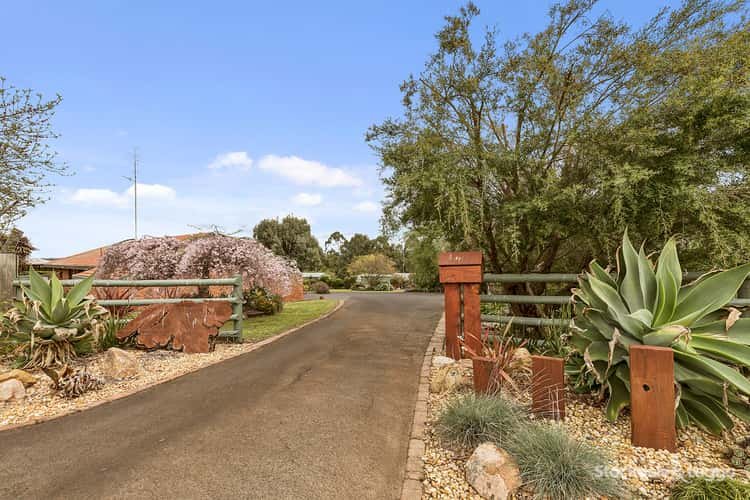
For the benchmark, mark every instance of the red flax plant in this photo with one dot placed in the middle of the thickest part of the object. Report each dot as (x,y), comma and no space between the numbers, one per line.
(493,359)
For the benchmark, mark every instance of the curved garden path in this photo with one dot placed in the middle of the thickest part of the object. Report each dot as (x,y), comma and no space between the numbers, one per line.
(323,413)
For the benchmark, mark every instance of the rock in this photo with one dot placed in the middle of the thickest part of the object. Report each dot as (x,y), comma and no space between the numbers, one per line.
(448,378)
(119,364)
(440,361)
(12,390)
(521,360)
(492,472)
(186,326)
(22,376)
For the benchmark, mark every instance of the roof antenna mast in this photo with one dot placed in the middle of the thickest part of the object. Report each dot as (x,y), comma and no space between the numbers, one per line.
(134,180)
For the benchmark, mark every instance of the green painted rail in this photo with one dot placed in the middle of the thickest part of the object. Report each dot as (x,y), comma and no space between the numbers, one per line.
(550,299)
(236,298)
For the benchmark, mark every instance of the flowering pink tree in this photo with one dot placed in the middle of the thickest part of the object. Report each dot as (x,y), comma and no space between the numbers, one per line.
(205,256)
(144,259)
(217,255)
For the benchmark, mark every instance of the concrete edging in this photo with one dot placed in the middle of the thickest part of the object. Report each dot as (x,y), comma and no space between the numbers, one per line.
(126,394)
(414,471)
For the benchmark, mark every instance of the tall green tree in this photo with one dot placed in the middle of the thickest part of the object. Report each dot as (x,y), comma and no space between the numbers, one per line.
(26,158)
(422,249)
(361,244)
(291,237)
(542,151)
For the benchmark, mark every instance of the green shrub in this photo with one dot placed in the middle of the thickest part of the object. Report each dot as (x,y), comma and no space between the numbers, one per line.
(321,287)
(701,488)
(108,337)
(558,466)
(261,300)
(473,419)
(383,286)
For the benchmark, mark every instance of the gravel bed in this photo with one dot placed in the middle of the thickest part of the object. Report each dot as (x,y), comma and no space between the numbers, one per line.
(42,402)
(647,473)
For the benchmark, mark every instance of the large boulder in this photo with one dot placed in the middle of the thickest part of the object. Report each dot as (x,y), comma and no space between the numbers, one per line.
(119,364)
(12,390)
(492,472)
(26,378)
(448,379)
(186,326)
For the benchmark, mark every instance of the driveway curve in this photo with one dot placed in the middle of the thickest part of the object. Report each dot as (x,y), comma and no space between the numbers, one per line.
(322,413)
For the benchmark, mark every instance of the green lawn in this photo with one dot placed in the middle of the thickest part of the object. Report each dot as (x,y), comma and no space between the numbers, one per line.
(294,314)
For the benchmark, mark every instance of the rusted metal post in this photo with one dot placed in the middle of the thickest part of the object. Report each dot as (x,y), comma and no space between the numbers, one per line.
(461,277)
(652,395)
(548,387)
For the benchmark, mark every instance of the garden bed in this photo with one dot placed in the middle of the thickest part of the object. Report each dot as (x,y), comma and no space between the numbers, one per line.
(155,367)
(645,473)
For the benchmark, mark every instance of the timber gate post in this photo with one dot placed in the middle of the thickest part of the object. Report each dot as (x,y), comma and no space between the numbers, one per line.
(461,277)
(652,395)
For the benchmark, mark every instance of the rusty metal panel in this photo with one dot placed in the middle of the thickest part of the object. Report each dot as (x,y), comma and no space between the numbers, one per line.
(652,397)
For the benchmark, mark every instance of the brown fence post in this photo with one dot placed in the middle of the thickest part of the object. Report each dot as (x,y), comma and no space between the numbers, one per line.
(652,411)
(460,275)
(548,387)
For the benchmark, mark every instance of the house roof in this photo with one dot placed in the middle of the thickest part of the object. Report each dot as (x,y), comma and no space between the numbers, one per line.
(83,260)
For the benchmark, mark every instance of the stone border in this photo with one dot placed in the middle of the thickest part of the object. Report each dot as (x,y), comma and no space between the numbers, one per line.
(126,394)
(414,471)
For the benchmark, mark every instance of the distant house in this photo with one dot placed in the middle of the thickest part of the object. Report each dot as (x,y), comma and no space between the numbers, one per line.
(74,266)
(312,276)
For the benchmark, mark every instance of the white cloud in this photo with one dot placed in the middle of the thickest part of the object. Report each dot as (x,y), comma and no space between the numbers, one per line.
(107,197)
(98,197)
(236,159)
(153,192)
(367,206)
(308,172)
(307,199)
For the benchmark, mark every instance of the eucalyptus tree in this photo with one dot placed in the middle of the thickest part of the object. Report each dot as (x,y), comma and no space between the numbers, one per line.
(542,150)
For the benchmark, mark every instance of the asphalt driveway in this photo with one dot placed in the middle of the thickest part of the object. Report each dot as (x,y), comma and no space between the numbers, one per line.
(323,413)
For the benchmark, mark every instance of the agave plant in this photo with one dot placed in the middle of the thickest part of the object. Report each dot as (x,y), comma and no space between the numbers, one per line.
(50,327)
(647,304)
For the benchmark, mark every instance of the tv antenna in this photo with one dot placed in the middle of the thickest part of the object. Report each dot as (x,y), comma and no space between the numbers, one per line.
(134,180)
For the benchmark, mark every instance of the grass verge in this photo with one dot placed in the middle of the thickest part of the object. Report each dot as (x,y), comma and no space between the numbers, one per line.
(294,314)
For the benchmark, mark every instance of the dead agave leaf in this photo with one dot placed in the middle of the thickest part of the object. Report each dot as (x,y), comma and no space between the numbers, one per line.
(734,315)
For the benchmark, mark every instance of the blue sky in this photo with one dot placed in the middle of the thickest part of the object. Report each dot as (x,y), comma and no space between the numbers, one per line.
(239,110)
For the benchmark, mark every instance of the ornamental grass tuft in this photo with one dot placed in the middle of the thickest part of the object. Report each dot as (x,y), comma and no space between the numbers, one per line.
(472,419)
(557,466)
(701,488)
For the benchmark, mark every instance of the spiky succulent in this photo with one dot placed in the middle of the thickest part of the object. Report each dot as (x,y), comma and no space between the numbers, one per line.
(72,383)
(50,327)
(647,304)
